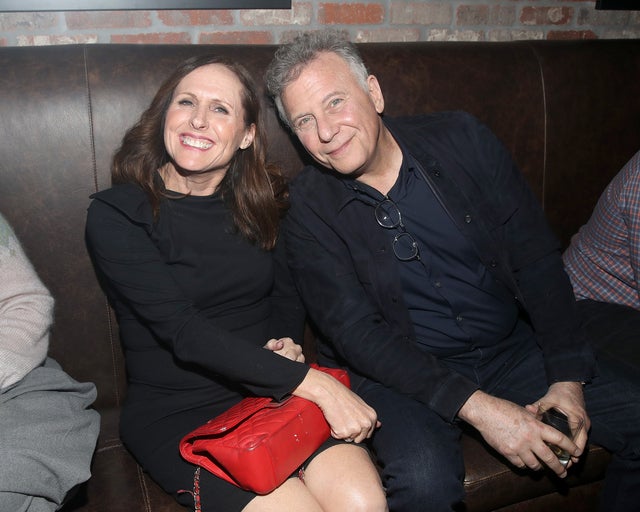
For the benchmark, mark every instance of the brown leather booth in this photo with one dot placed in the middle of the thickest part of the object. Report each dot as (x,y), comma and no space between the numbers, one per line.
(568,111)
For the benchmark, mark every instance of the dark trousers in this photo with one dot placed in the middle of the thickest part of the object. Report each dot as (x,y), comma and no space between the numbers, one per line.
(420,453)
(614,332)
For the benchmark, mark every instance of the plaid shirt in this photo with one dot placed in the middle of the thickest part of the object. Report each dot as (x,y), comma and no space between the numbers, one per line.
(603,260)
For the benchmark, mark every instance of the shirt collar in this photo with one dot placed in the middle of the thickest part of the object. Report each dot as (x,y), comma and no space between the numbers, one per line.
(370,195)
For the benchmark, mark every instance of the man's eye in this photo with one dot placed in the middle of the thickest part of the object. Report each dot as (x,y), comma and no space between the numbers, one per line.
(303,122)
(335,103)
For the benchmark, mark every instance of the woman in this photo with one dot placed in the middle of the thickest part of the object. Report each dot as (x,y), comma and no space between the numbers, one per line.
(185,246)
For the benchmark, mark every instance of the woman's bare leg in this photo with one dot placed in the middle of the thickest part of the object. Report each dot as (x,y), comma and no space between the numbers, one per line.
(343,477)
(291,496)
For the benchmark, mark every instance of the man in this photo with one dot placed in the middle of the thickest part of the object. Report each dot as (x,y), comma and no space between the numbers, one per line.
(427,265)
(48,430)
(603,263)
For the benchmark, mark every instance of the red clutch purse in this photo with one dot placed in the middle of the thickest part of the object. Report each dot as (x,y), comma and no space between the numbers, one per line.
(258,443)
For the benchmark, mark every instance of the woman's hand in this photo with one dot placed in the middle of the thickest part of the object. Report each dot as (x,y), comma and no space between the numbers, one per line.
(286,347)
(349,417)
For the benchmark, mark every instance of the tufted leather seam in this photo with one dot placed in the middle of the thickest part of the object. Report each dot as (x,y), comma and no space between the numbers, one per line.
(114,361)
(546,120)
(110,445)
(144,490)
(481,481)
(87,83)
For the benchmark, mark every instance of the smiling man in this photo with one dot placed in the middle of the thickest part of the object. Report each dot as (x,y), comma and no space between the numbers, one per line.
(427,265)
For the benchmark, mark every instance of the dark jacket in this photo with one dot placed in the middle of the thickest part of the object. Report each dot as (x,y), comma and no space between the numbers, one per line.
(348,276)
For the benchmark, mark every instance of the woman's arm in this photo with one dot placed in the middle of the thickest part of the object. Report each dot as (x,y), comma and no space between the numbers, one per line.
(135,276)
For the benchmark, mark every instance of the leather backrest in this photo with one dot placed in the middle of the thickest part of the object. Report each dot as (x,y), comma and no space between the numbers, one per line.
(568,111)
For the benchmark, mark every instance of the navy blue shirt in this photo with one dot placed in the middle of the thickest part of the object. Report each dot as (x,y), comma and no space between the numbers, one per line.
(454,302)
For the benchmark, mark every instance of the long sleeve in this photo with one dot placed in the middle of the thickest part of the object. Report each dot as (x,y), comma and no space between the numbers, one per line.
(603,260)
(26,310)
(183,309)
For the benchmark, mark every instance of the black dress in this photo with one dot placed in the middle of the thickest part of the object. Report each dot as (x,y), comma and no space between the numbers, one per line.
(195,304)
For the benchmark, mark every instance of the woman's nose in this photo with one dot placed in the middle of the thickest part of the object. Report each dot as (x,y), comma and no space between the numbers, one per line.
(199,120)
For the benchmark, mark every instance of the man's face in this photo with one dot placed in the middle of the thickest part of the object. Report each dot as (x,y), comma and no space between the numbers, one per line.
(335,118)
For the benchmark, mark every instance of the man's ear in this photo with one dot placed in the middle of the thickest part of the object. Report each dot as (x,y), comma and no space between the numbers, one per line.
(375,92)
(248,137)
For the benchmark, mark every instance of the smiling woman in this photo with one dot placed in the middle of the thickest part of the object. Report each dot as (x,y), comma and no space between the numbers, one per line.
(129,5)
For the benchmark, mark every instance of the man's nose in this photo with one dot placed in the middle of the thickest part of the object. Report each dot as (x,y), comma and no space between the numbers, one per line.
(326,127)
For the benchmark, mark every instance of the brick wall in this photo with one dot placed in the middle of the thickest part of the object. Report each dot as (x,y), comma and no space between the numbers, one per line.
(365,20)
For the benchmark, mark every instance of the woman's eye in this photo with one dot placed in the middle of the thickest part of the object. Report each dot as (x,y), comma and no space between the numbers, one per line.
(185,102)
(220,109)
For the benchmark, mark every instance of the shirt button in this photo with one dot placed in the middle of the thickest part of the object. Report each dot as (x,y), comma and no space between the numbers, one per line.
(459,319)
(437,284)
(436,173)
(493,263)
(467,218)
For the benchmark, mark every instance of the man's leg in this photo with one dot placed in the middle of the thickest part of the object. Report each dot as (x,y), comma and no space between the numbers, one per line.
(23,503)
(614,332)
(614,405)
(47,437)
(614,409)
(419,453)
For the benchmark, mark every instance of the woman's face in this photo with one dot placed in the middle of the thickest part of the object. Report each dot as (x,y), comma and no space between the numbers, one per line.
(204,125)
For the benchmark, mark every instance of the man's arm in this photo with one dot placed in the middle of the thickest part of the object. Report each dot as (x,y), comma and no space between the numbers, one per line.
(533,255)
(26,311)
(335,298)
(631,208)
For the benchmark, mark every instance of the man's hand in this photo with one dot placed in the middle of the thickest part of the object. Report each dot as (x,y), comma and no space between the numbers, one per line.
(286,347)
(568,398)
(516,433)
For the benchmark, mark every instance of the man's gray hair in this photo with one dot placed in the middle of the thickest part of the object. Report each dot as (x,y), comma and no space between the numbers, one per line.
(291,58)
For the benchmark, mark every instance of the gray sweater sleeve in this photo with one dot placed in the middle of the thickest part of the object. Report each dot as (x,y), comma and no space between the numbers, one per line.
(26,309)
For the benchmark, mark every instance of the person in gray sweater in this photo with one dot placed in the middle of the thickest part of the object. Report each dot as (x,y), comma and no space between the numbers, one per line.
(48,431)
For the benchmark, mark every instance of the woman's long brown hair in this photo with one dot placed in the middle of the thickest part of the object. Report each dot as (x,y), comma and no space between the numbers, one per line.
(255,191)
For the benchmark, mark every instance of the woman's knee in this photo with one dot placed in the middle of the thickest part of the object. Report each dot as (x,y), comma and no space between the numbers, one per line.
(344,477)
(371,500)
